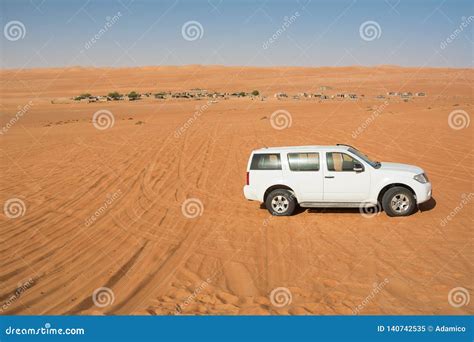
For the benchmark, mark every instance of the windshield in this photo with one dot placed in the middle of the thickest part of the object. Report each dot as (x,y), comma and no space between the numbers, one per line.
(374,164)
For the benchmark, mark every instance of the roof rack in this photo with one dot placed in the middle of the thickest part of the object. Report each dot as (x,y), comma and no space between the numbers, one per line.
(347,146)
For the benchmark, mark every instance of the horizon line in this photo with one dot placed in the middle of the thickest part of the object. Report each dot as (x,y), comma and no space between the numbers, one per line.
(237,66)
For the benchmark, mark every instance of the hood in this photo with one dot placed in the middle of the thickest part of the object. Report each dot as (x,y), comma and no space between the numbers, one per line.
(401,167)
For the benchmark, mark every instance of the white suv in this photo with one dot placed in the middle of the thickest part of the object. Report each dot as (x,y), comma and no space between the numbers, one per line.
(332,176)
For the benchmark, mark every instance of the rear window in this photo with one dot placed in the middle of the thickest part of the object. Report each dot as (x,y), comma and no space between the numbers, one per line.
(303,161)
(270,161)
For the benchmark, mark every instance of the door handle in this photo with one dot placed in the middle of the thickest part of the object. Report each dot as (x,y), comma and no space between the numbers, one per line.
(328,176)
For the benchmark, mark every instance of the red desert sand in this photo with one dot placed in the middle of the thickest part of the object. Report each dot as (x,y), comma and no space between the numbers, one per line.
(139,219)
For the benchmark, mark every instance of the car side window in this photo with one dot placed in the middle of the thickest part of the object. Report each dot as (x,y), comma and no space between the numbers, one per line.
(266,161)
(339,162)
(303,161)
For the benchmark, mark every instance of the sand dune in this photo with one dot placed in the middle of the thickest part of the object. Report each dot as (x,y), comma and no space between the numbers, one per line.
(229,259)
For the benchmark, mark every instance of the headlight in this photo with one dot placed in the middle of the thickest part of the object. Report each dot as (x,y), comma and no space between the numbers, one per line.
(422,178)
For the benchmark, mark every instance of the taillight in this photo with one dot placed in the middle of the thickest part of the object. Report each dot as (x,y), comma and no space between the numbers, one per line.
(248,178)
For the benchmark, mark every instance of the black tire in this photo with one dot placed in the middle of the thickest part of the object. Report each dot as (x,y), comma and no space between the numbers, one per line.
(281,202)
(398,201)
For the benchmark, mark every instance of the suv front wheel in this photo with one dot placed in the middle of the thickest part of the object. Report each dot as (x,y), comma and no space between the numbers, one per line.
(280,202)
(398,201)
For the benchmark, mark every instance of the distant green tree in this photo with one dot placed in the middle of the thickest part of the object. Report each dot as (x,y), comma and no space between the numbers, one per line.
(242,93)
(115,95)
(255,93)
(133,96)
(82,96)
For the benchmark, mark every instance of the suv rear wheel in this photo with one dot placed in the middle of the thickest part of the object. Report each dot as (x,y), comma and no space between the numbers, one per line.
(280,202)
(398,201)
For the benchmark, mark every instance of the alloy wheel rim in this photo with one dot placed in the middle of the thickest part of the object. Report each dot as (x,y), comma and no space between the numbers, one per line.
(400,203)
(280,204)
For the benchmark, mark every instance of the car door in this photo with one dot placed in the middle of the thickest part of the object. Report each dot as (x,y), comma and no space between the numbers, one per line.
(304,175)
(341,182)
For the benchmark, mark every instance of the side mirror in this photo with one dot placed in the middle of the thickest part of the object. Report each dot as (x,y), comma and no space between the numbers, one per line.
(358,167)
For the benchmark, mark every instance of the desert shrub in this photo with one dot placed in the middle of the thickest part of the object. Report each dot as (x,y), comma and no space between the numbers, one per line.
(133,96)
(115,95)
(82,96)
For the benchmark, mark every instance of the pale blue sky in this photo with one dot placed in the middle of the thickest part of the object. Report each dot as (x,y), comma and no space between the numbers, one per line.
(324,33)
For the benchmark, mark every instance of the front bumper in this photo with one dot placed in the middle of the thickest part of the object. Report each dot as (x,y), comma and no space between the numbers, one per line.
(423,193)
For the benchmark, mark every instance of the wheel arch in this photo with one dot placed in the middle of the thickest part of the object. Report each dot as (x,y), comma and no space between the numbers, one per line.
(276,187)
(392,185)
